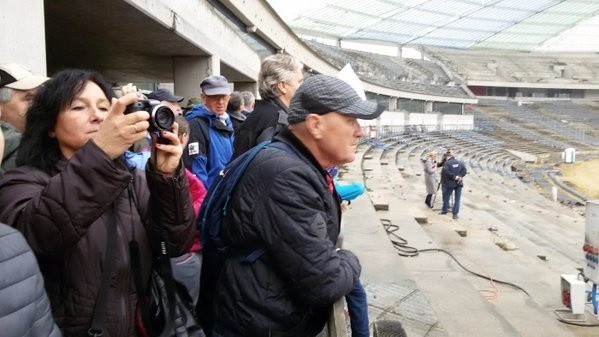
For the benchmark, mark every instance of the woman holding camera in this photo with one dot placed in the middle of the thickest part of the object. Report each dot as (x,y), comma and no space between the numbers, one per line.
(76,202)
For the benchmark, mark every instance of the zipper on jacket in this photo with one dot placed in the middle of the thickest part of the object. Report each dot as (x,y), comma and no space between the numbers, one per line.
(176,190)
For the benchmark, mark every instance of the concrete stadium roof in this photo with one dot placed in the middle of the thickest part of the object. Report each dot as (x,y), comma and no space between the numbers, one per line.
(535,25)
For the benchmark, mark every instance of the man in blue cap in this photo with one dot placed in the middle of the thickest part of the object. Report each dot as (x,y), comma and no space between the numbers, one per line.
(210,145)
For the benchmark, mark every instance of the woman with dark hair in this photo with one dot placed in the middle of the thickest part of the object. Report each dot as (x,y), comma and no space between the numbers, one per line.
(76,202)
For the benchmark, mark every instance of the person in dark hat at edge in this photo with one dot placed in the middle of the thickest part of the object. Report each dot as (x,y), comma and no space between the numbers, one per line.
(287,204)
(167,98)
(139,154)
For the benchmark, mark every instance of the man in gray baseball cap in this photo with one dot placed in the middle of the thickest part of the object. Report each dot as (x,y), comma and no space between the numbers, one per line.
(287,205)
(215,85)
(210,145)
(322,94)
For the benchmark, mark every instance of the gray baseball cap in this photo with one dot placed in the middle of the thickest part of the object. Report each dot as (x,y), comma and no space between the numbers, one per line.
(215,85)
(321,94)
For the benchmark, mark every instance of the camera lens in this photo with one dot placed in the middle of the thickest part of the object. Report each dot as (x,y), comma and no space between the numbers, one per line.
(162,118)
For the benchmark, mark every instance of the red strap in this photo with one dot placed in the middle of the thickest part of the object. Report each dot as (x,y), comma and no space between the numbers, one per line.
(331,184)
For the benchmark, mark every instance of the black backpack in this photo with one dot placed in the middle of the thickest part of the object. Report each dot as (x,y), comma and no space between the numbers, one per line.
(214,251)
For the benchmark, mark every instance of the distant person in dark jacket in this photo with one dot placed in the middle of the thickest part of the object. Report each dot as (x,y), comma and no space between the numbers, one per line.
(286,203)
(453,174)
(24,308)
(72,185)
(249,101)
(280,76)
(235,108)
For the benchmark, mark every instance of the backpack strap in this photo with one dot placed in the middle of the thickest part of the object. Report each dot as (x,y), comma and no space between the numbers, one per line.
(238,172)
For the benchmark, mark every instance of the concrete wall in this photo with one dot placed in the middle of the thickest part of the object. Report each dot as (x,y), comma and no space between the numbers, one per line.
(421,121)
(22,37)
(428,121)
(592,94)
(457,122)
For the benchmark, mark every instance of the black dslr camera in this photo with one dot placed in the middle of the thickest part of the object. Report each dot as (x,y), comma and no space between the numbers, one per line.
(161,116)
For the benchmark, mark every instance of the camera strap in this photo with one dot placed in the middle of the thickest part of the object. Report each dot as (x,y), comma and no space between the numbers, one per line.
(97,325)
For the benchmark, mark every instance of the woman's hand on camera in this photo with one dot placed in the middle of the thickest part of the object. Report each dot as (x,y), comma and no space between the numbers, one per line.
(168,156)
(119,131)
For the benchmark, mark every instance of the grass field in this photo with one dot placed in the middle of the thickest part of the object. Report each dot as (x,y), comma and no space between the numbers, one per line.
(583,176)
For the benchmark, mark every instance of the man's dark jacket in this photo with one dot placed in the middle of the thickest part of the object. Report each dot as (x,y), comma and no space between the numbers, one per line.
(283,204)
(451,169)
(268,118)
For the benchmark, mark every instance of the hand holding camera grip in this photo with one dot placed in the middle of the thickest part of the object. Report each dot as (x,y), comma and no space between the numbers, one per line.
(119,131)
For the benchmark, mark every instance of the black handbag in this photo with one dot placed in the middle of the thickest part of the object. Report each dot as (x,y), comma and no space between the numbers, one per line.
(165,309)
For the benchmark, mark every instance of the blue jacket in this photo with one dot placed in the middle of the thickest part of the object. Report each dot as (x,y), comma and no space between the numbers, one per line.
(210,145)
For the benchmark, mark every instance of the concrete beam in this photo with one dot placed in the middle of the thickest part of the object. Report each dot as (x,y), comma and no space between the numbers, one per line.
(199,23)
(269,26)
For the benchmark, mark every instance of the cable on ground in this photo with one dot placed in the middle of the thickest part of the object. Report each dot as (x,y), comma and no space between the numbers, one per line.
(401,245)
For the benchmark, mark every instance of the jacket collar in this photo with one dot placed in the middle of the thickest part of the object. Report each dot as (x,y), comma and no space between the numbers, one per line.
(276,101)
(289,138)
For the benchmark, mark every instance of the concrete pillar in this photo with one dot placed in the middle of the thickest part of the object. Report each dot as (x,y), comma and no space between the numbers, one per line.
(23,37)
(190,71)
(392,103)
(428,107)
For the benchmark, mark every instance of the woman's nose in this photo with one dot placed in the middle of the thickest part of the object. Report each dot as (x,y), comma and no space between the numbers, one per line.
(98,114)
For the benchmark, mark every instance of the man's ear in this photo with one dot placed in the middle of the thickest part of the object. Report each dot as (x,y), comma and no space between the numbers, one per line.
(315,125)
(282,87)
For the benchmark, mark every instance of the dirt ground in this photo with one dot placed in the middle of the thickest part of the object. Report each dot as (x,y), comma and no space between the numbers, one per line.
(584,176)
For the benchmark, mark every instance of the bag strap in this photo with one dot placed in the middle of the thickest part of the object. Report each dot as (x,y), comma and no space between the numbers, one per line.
(238,173)
(164,270)
(97,325)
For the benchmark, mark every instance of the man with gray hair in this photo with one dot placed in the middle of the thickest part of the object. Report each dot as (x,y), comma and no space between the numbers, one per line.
(18,87)
(248,102)
(286,205)
(279,78)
